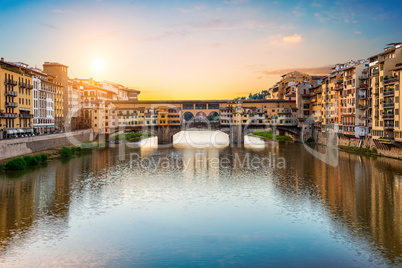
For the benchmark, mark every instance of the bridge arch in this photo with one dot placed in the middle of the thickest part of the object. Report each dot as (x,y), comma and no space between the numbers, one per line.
(188,116)
(213,117)
(200,116)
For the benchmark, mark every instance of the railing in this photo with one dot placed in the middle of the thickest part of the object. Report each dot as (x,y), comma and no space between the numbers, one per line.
(8,115)
(362,96)
(364,76)
(364,86)
(11,104)
(338,88)
(388,104)
(391,81)
(389,127)
(10,82)
(362,107)
(338,81)
(388,93)
(10,93)
(29,86)
(26,115)
(388,116)
(22,84)
(348,77)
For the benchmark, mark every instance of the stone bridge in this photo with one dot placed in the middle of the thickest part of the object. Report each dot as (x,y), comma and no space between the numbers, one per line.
(235,132)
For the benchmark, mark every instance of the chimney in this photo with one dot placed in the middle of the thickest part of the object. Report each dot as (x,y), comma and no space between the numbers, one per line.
(2,59)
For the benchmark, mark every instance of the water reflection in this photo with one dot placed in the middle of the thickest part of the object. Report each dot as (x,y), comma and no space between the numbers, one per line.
(359,200)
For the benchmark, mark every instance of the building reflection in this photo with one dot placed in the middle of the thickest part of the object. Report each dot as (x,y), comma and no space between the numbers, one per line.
(29,196)
(362,195)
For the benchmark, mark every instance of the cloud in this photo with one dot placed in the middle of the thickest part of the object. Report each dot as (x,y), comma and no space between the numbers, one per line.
(166,35)
(358,32)
(235,2)
(51,26)
(309,70)
(57,11)
(296,38)
(213,45)
(195,9)
(259,77)
(319,17)
(298,11)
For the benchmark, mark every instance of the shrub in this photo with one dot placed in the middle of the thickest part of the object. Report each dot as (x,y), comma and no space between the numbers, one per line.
(374,151)
(43,157)
(66,152)
(28,159)
(16,164)
(2,167)
(78,150)
(310,139)
(37,160)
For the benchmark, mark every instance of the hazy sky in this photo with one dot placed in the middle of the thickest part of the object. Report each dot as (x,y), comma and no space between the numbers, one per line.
(195,49)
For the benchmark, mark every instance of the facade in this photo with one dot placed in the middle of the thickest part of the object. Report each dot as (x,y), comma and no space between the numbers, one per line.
(59,72)
(16,102)
(44,94)
(384,77)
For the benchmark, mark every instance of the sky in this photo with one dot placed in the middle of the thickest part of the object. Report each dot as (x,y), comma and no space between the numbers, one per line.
(195,49)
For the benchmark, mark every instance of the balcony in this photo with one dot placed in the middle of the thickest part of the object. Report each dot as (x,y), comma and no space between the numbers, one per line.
(29,86)
(26,115)
(388,93)
(362,107)
(363,77)
(8,115)
(363,117)
(11,104)
(389,126)
(22,84)
(388,105)
(375,73)
(391,81)
(388,116)
(363,86)
(10,82)
(338,81)
(10,93)
(338,88)
(348,77)
(362,96)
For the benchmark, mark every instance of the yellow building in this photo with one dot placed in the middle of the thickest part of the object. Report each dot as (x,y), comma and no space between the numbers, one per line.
(16,100)
(386,103)
(163,115)
(394,85)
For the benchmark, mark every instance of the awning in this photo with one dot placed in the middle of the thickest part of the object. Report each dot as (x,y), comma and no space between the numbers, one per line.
(19,131)
(24,109)
(29,130)
(11,131)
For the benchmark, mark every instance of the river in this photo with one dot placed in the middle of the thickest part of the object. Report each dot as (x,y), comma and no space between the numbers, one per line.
(277,206)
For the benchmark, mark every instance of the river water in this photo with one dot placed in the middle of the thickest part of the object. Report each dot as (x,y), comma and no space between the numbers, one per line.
(241,207)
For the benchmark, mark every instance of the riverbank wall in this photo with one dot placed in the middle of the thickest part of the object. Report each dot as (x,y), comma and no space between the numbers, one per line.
(22,146)
(384,148)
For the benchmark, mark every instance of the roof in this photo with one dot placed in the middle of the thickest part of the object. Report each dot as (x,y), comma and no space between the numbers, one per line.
(397,68)
(54,63)
(195,101)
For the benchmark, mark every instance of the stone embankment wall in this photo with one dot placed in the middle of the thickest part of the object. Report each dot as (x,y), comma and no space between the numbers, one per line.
(21,146)
(365,142)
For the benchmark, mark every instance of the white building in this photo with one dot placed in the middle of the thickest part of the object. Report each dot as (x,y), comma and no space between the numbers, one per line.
(43,101)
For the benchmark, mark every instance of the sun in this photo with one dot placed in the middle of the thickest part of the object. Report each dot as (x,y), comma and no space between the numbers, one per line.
(98,65)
